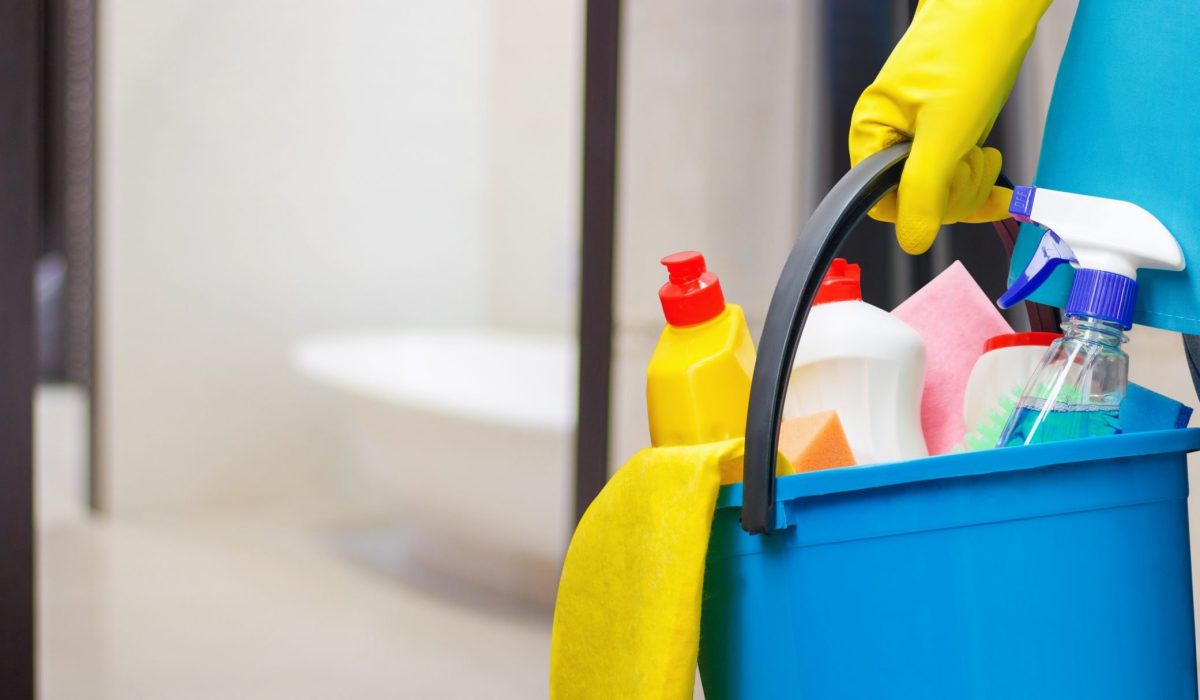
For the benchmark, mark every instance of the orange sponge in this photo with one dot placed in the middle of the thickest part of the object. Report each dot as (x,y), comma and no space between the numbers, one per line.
(816,441)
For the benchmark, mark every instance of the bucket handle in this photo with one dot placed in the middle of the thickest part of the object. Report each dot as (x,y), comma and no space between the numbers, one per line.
(835,217)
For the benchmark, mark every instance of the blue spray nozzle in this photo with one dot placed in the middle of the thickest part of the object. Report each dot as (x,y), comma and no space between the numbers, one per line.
(1051,252)
(1021,204)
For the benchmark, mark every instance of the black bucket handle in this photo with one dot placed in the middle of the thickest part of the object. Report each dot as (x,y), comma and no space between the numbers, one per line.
(835,217)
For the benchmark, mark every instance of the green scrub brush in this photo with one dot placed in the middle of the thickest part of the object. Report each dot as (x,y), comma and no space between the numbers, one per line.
(986,433)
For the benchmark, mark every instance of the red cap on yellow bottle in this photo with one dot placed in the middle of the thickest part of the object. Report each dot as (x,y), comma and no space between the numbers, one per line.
(693,294)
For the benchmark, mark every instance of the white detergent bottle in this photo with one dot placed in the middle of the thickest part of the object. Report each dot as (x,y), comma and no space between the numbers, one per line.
(859,360)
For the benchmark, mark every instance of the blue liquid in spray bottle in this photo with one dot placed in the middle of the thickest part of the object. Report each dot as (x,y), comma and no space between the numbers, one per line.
(1077,388)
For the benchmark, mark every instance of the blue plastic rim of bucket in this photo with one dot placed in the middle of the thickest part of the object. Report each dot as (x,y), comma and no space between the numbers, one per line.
(1060,570)
(1053,571)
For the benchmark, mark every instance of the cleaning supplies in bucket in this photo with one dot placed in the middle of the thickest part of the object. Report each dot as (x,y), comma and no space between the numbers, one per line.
(954,317)
(857,360)
(1053,571)
(1078,387)
(995,384)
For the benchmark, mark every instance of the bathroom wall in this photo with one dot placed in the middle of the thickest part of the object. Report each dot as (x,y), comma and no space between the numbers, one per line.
(271,170)
(535,118)
(712,132)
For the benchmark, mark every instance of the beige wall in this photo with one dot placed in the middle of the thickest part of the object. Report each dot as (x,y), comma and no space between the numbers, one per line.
(535,93)
(273,169)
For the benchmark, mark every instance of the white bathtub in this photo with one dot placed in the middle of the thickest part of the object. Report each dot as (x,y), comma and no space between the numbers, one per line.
(470,432)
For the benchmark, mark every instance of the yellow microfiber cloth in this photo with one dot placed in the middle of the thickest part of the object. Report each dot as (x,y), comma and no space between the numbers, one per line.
(627,618)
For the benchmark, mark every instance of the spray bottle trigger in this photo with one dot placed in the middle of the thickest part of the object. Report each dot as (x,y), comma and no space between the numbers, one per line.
(1051,252)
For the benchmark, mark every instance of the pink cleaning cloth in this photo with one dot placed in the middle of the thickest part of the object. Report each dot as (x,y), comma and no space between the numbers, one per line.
(954,317)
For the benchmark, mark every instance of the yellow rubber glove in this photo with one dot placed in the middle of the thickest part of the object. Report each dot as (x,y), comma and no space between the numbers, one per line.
(942,87)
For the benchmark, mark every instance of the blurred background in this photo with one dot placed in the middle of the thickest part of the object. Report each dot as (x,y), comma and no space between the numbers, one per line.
(310,291)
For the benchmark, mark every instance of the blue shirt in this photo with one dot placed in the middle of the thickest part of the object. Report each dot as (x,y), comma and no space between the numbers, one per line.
(1123,124)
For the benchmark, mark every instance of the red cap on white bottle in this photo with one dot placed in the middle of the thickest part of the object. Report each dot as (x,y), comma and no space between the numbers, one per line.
(841,283)
(1012,340)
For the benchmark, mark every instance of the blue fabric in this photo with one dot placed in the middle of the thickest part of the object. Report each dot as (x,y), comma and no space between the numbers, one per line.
(1144,410)
(1122,125)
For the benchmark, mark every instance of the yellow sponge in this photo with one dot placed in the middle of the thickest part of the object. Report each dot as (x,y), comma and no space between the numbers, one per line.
(816,441)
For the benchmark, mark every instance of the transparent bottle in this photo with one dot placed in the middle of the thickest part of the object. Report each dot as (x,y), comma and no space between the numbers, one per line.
(1077,389)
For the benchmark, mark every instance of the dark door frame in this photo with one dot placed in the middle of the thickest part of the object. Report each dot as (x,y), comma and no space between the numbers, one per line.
(598,220)
(21,192)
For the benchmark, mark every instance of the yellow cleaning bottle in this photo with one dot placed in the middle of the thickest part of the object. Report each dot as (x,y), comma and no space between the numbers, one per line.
(627,619)
(698,381)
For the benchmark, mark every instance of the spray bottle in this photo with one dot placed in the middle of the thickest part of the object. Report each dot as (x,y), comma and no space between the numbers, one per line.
(1078,387)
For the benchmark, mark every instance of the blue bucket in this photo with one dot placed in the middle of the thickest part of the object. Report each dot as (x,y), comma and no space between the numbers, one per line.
(1060,570)
(1051,571)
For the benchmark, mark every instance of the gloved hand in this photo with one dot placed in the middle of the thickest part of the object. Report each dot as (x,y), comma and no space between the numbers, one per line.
(942,87)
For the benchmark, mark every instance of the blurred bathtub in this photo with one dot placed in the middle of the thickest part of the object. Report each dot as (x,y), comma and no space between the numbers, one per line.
(468,433)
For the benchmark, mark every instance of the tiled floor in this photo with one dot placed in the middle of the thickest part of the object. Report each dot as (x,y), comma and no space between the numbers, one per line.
(266,605)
